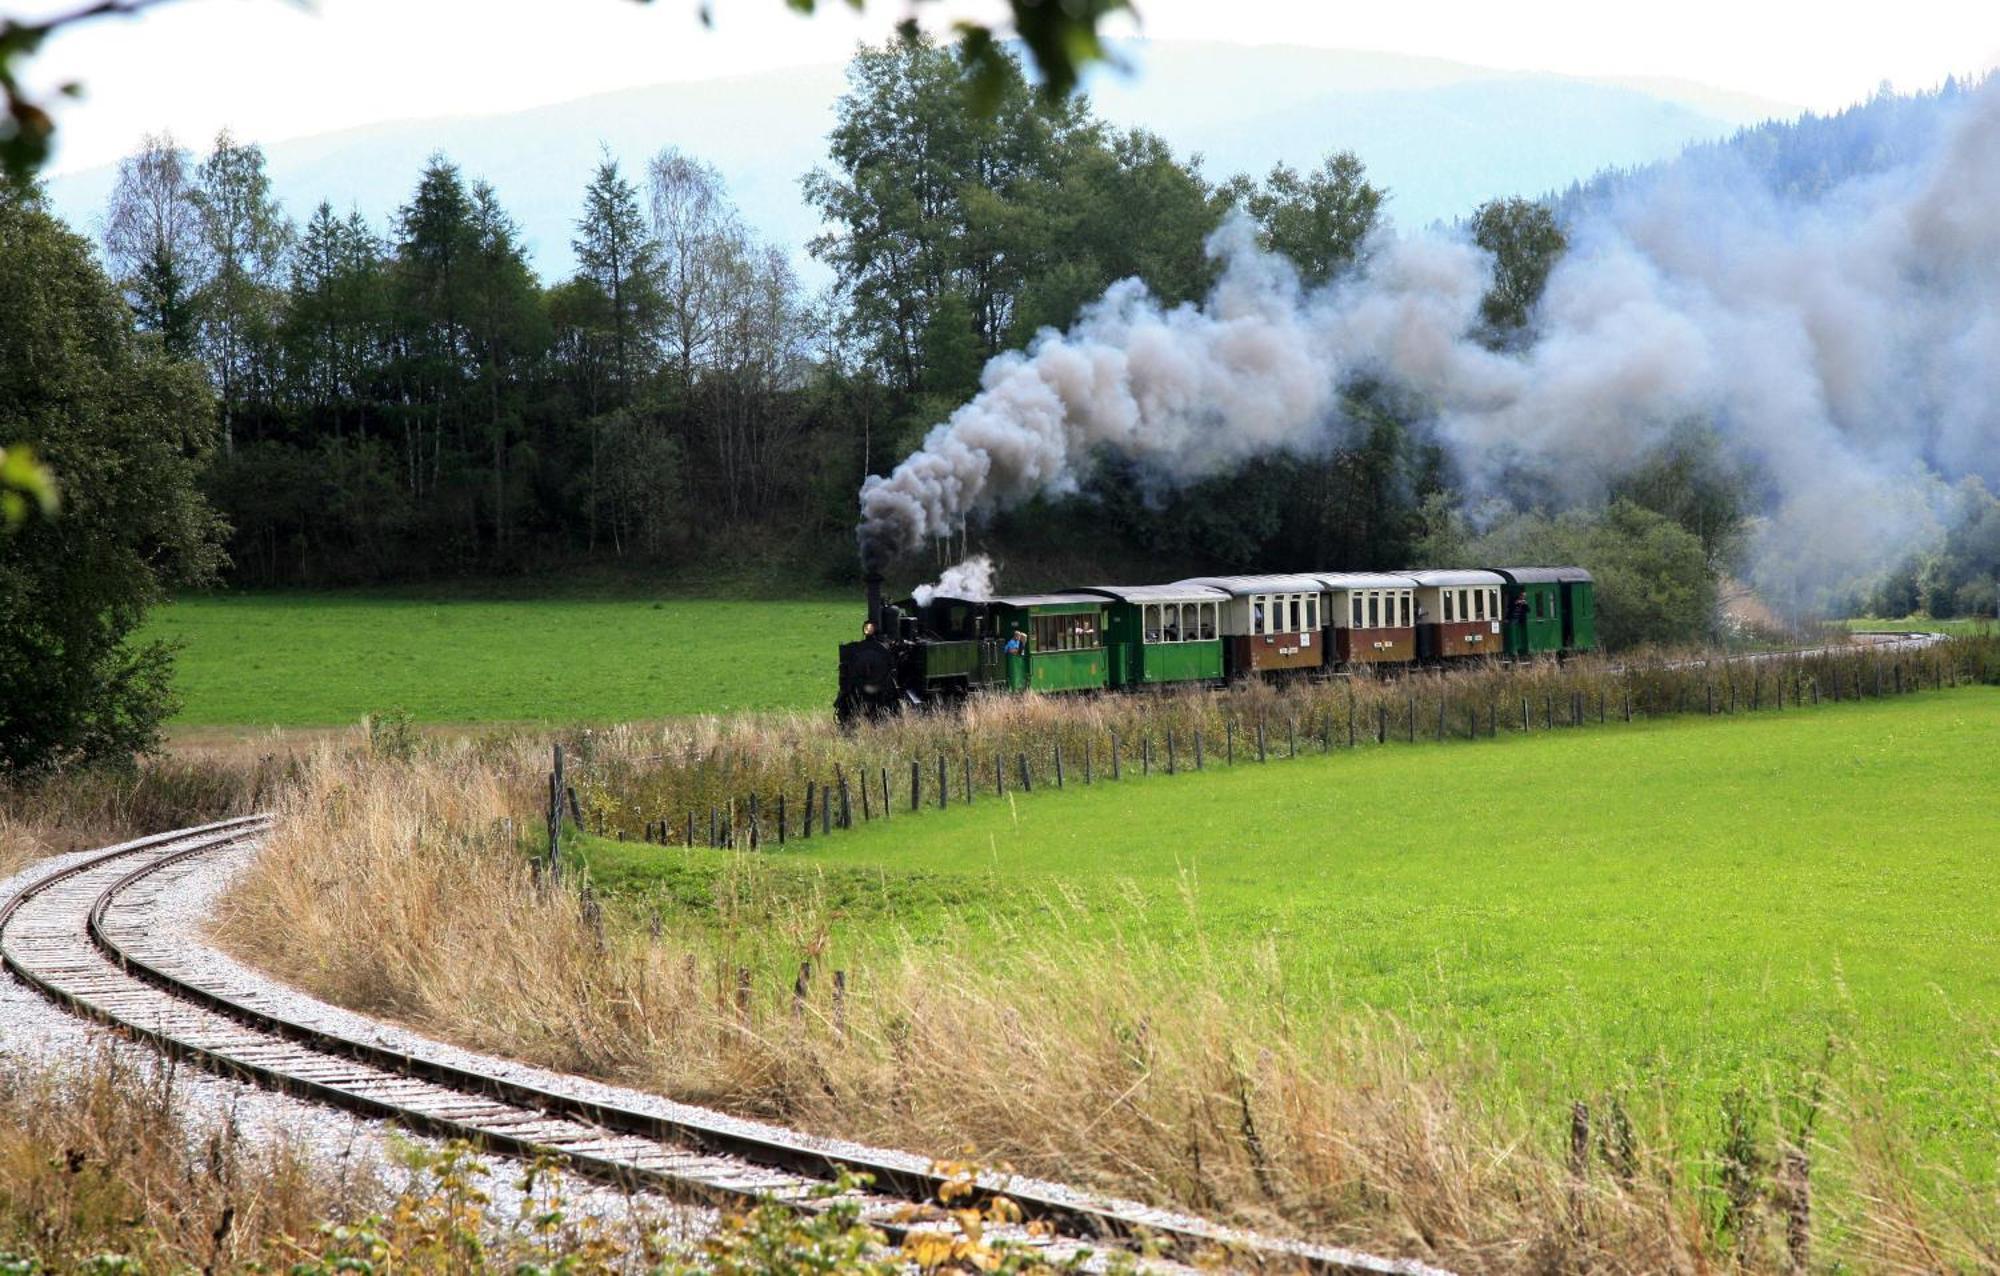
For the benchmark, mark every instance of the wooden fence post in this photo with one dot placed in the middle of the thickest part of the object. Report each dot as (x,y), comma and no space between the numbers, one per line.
(1798,1217)
(1381,724)
(825,808)
(916,782)
(966,789)
(944,784)
(1171,759)
(688,841)
(846,802)
(781,817)
(753,822)
(886,803)
(840,1004)
(1261,756)
(1027,776)
(999,777)
(812,791)
(1579,1160)
(1197,749)
(1229,738)
(714,828)
(1059,765)
(1088,764)
(867,806)
(1291,737)
(1146,754)
(1115,772)
(799,987)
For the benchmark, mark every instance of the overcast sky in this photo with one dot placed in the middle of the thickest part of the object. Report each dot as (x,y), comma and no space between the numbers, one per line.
(273,69)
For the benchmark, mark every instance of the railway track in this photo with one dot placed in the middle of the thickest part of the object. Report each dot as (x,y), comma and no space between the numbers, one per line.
(80,936)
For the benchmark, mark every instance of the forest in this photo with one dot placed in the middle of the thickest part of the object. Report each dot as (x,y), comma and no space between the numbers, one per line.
(409,402)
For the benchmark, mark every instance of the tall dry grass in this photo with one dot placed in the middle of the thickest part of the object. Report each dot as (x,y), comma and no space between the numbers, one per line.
(73,810)
(399,882)
(105,1159)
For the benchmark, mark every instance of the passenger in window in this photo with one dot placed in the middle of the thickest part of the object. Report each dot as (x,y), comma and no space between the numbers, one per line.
(1018,644)
(1517,611)
(1173,629)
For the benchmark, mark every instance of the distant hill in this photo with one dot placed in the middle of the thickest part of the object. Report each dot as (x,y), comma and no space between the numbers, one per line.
(1800,158)
(1441,136)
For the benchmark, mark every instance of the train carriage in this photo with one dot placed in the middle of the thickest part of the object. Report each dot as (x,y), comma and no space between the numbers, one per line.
(1371,617)
(1458,614)
(1271,625)
(1066,641)
(1160,634)
(1560,612)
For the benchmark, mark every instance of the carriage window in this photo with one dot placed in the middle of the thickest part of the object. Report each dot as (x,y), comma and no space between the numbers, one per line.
(1207,621)
(1354,606)
(1152,624)
(1449,615)
(1479,604)
(1406,608)
(1374,610)
(1312,611)
(1256,615)
(1173,629)
(1294,609)
(1190,621)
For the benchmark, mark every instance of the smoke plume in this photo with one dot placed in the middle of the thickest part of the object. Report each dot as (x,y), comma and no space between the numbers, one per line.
(1846,349)
(972,578)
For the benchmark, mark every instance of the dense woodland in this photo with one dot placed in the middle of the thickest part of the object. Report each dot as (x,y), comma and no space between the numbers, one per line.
(409,400)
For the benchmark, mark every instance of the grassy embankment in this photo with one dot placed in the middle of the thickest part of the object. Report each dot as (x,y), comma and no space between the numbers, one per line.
(255,660)
(1683,903)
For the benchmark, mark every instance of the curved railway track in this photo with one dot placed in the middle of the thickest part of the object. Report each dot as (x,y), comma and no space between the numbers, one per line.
(80,937)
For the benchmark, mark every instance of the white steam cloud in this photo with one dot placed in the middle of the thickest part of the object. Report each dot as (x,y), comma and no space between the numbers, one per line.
(972,578)
(1848,349)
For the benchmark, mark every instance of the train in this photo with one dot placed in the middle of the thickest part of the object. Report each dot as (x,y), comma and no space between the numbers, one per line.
(1207,631)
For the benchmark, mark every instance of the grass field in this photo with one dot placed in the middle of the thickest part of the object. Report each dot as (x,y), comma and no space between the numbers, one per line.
(1688,905)
(325,659)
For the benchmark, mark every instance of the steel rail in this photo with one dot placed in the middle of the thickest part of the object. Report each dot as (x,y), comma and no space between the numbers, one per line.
(701,1156)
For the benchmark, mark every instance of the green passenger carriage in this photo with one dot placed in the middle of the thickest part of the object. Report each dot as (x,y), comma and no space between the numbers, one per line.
(1164,633)
(1558,611)
(1065,641)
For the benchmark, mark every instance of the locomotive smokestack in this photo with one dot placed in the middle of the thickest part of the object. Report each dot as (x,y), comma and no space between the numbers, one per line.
(875,600)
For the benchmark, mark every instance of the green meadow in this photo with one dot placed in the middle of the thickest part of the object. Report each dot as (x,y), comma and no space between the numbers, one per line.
(292,659)
(1691,905)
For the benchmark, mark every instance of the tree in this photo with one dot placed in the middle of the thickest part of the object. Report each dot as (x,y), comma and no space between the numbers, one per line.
(505,331)
(126,429)
(698,238)
(1654,584)
(1320,220)
(617,252)
(154,242)
(245,235)
(1526,243)
(928,199)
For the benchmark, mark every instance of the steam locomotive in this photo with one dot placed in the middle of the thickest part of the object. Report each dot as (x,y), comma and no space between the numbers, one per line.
(1207,630)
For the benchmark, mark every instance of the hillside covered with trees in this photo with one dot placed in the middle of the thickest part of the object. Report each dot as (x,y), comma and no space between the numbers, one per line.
(409,401)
